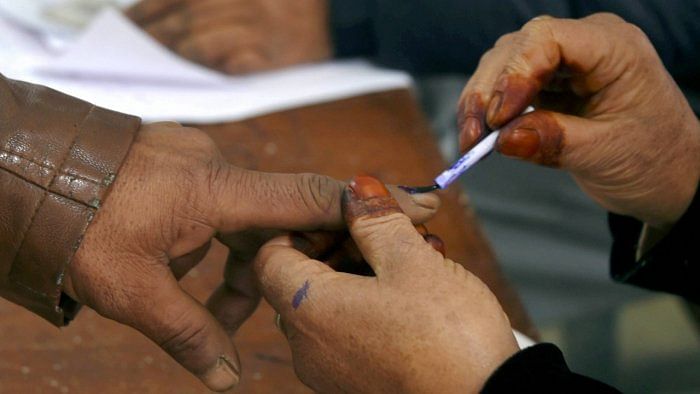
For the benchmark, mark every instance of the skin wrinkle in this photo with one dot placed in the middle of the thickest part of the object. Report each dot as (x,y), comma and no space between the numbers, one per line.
(319,193)
(354,209)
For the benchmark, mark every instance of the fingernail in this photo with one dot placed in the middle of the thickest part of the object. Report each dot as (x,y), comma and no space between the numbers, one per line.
(366,187)
(522,143)
(225,374)
(429,201)
(473,128)
(494,108)
(470,133)
(435,242)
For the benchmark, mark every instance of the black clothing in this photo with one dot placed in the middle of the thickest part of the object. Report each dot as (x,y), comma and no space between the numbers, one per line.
(671,265)
(541,369)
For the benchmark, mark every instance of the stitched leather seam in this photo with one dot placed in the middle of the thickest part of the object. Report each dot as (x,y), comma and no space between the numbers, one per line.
(42,187)
(50,167)
(47,192)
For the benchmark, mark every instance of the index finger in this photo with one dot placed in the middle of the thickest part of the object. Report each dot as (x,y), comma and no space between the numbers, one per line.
(303,202)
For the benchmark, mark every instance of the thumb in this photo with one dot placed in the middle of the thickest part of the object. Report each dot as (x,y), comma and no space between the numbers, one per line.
(548,138)
(184,329)
(383,233)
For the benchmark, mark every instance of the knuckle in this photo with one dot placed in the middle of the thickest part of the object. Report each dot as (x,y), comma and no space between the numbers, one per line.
(503,41)
(216,173)
(633,31)
(200,139)
(637,34)
(269,264)
(319,193)
(633,36)
(539,24)
(607,17)
(262,259)
(382,227)
(164,124)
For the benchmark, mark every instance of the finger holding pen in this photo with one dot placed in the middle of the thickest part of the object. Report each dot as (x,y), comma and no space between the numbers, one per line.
(608,112)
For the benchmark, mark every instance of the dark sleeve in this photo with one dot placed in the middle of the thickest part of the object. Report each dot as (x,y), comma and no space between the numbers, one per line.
(429,36)
(58,157)
(449,36)
(671,265)
(541,369)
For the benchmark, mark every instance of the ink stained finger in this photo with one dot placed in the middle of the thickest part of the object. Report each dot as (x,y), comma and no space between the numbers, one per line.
(367,197)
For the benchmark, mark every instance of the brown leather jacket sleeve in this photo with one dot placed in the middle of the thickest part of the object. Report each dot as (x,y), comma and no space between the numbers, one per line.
(58,157)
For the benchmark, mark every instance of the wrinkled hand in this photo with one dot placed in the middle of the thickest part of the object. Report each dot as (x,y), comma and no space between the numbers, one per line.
(173,194)
(423,324)
(616,120)
(239,36)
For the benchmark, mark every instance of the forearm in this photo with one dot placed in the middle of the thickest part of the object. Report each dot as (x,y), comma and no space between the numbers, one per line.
(58,157)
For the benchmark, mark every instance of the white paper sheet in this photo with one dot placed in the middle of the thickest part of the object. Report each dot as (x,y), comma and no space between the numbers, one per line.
(116,65)
(112,48)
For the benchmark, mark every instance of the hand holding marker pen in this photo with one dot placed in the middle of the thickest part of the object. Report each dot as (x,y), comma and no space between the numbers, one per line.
(483,148)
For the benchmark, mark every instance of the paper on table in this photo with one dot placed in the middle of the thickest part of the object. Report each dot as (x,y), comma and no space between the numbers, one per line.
(116,65)
(113,48)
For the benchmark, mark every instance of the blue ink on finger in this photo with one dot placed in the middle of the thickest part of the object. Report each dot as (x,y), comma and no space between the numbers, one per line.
(300,295)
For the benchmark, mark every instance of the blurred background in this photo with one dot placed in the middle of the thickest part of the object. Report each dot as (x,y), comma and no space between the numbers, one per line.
(551,240)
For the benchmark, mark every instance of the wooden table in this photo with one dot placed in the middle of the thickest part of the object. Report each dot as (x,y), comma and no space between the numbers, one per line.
(382,134)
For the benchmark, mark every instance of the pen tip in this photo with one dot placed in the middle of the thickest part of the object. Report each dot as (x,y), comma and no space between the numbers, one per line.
(419,189)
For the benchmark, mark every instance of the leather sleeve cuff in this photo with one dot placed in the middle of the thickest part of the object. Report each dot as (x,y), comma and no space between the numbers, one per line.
(58,158)
(672,264)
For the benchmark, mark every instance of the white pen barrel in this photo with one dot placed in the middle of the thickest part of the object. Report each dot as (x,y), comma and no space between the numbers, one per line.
(470,158)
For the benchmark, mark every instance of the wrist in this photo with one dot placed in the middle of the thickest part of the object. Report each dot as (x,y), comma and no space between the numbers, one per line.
(672,186)
(689,177)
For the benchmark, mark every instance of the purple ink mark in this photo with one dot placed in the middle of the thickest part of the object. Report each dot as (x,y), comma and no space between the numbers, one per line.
(300,295)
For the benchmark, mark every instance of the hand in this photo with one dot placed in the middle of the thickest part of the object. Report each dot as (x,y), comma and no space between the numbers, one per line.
(617,120)
(239,36)
(174,192)
(423,324)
